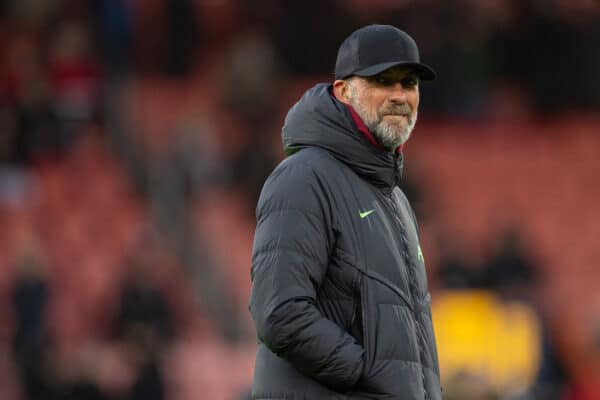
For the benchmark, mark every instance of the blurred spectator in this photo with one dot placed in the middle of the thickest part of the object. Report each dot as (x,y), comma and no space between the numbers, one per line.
(252,79)
(8,126)
(76,80)
(508,270)
(74,376)
(143,310)
(145,318)
(144,323)
(80,390)
(149,382)
(30,298)
(455,271)
(31,124)
(251,167)
(114,21)
(16,182)
(193,163)
(250,94)
(182,37)
(552,379)
(149,36)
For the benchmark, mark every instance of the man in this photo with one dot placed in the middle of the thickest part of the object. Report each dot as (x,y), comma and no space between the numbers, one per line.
(339,293)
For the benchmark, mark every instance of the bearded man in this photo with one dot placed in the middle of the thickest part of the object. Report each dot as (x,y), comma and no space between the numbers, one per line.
(339,289)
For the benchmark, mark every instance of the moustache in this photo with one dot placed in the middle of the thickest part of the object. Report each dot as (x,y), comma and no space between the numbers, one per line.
(401,109)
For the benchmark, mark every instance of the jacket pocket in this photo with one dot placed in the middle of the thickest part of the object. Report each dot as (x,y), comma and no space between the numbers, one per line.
(391,355)
(397,311)
(395,334)
(356,323)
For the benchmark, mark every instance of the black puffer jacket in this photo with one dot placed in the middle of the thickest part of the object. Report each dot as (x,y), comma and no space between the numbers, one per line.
(339,293)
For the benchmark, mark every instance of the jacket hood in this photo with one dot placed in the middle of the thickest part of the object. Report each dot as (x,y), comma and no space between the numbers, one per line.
(319,119)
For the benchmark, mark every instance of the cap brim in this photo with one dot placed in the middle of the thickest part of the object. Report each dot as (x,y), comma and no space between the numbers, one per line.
(424,71)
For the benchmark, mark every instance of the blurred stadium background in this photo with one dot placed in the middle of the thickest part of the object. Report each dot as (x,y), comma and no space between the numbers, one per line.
(135,136)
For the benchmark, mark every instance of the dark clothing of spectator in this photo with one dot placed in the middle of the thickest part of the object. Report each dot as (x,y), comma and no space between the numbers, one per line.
(146,307)
(30,299)
(149,384)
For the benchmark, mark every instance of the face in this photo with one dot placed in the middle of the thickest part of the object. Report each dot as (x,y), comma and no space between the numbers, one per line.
(387,104)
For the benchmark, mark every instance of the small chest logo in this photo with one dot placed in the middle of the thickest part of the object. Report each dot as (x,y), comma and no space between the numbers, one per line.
(365,214)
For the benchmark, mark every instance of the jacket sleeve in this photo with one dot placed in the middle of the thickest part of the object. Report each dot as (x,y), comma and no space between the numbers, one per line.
(292,243)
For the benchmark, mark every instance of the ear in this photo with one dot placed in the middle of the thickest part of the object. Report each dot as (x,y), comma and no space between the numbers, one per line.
(341,91)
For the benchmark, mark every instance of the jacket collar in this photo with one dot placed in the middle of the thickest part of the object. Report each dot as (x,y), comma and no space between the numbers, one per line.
(318,119)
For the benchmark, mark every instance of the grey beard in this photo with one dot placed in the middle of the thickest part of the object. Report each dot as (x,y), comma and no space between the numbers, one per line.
(389,136)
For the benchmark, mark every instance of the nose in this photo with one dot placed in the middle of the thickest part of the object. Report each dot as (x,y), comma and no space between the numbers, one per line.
(398,93)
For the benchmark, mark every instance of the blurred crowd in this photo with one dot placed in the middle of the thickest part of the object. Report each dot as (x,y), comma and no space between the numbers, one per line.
(135,136)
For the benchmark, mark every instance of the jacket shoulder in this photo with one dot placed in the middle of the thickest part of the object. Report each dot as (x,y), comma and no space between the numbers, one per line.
(298,182)
(306,166)
(312,158)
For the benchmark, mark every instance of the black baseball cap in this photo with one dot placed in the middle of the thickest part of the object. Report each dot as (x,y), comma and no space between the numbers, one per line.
(372,49)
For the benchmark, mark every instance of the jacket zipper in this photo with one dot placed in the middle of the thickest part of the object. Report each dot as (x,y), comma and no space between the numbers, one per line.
(411,277)
(399,224)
